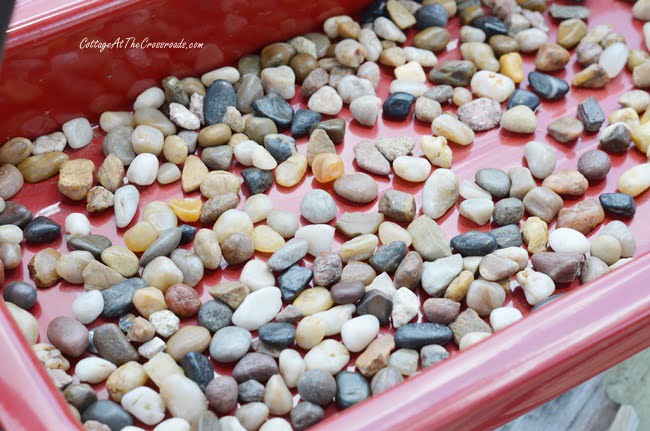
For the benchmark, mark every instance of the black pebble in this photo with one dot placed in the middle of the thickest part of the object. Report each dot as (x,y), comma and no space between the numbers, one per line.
(491,26)
(388,257)
(351,388)
(197,368)
(418,335)
(280,146)
(257,180)
(187,233)
(523,97)
(220,95)
(293,281)
(398,106)
(433,15)
(474,243)
(277,334)
(618,204)
(21,294)
(591,115)
(376,303)
(118,299)
(41,229)
(303,119)
(547,86)
(274,107)
(214,315)
(16,214)
(374,11)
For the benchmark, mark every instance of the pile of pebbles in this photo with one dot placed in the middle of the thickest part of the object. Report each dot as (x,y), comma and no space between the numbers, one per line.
(287,326)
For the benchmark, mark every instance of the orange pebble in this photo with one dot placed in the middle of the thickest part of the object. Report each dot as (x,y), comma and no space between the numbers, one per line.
(188,210)
(327,167)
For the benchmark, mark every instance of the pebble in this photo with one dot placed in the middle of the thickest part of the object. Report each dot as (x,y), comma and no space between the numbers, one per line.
(305,415)
(473,243)
(258,308)
(480,114)
(492,85)
(26,322)
(593,76)
(592,269)
(21,293)
(494,181)
(183,398)
(351,389)
(229,344)
(385,379)
(590,114)
(584,216)
(68,335)
(566,182)
(370,159)
(540,158)
(566,240)
(325,101)
(15,150)
(635,180)
(11,181)
(108,413)
(219,96)
(418,335)
(437,275)
(618,204)
(144,404)
(537,286)
(405,361)
(113,345)
(620,231)
(386,29)
(594,165)
(398,105)
(49,143)
(39,168)
(508,211)
(543,202)
(560,267)
(165,322)
(547,86)
(478,210)
(42,267)
(376,355)
(481,54)
(519,119)
(317,386)
(452,129)
(41,229)
(616,137)
(365,109)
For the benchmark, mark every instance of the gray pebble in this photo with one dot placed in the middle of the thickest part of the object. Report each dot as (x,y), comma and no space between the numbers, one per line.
(255,366)
(432,354)
(218,158)
(507,236)
(251,391)
(385,379)
(229,344)
(288,254)
(440,93)
(305,415)
(318,207)
(162,246)
(508,211)
(317,386)
(118,142)
(594,165)
(495,181)
(190,265)
(214,315)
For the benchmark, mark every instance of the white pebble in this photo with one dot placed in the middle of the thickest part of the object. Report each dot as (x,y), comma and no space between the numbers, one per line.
(276,424)
(227,73)
(368,38)
(88,306)
(406,305)
(405,361)
(331,25)
(365,109)
(477,210)
(352,87)
(143,169)
(173,424)
(256,275)
(613,58)
(280,80)
(71,266)
(330,355)
(168,173)
(415,88)
(291,366)
(145,404)
(126,204)
(471,190)
(262,159)
(440,193)
(243,152)
(472,338)
(386,29)
(530,40)
(319,237)
(411,71)
(78,132)
(147,139)
(183,398)
(151,348)
(357,333)
(413,169)
(164,322)
(258,207)
(284,222)
(258,308)
(541,159)
(335,318)
(537,286)
(77,224)
(11,233)
(326,101)
(504,316)
(94,370)
(152,97)
(492,85)
(567,240)
(424,57)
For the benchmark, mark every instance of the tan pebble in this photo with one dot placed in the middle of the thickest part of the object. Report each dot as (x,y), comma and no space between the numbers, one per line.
(535,234)
(127,377)
(194,172)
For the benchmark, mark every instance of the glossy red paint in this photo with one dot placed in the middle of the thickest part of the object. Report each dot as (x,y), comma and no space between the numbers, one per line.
(590,329)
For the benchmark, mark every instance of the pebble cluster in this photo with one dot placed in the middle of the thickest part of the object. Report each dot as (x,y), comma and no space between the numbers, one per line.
(287,327)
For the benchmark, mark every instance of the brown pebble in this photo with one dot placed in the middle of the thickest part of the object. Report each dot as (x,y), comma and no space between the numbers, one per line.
(42,267)
(440,310)
(76,178)
(111,173)
(68,335)
(315,80)
(141,330)
(182,300)
(584,216)
(277,54)
(11,181)
(188,339)
(15,150)
(302,65)
(327,269)
(222,393)
(347,292)
(397,205)
(567,182)
(237,248)
(39,168)
(565,129)
(375,357)
(232,293)
(112,345)
(551,57)
(561,267)
(594,165)
(409,271)
(217,205)
(358,271)
(466,322)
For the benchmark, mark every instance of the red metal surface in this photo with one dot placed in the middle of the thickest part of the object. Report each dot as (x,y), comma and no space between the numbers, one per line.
(551,350)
